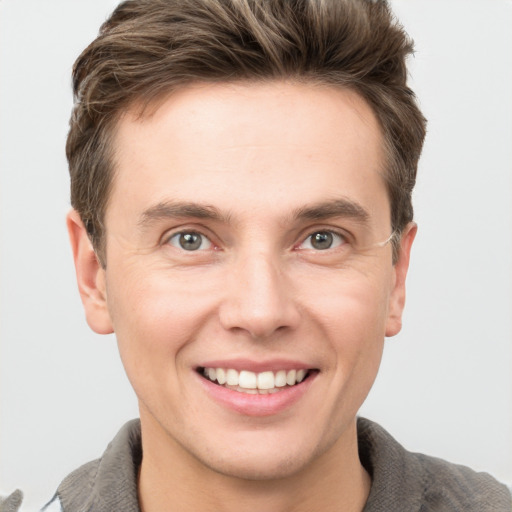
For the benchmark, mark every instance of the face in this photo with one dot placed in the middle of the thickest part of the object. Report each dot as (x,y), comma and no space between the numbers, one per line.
(247,276)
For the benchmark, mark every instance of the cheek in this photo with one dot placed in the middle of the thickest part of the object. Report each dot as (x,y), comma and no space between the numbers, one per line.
(356,335)
(349,317)
(350,306)
(352,318)
(154,320)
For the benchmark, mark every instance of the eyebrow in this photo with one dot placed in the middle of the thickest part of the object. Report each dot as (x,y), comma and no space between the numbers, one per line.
(172,209)
(330,209)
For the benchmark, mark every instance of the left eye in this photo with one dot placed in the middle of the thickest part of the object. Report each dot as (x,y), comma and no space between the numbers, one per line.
(322,240)
(190,241)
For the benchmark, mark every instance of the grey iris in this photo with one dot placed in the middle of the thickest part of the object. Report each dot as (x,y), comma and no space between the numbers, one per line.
(190,241)
(322,240)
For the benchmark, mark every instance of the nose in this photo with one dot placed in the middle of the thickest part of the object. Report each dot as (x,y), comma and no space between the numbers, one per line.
(258,298)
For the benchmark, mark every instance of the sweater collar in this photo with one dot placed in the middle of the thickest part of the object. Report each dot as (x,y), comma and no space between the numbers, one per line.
(400,480)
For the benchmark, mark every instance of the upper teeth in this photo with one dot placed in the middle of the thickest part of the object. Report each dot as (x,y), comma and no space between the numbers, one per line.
(251,380)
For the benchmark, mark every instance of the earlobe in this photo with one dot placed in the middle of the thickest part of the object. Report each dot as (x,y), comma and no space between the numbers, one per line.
(397,297)
(90,276)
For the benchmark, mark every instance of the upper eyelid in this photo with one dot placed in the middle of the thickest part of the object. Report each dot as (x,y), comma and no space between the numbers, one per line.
(321,229)
(298,245)
(210,245)
(304,233)
(168,234)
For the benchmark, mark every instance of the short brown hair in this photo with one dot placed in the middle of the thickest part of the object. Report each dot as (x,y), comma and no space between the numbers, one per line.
(148,48)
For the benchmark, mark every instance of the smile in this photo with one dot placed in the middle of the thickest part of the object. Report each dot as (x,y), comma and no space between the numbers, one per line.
(262,383)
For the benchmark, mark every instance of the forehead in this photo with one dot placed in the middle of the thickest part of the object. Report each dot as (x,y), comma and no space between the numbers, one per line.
(250,146)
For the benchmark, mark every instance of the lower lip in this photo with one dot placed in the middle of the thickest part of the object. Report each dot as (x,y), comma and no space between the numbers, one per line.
(257,405)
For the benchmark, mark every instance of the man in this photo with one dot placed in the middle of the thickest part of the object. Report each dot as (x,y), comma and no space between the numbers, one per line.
(241,181)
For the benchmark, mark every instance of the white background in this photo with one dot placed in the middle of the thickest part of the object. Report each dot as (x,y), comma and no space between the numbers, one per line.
(445,386)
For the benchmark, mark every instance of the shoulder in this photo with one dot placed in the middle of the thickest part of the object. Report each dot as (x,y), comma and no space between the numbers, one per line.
(108,483)
(102,485)
(460,486)
(407,481)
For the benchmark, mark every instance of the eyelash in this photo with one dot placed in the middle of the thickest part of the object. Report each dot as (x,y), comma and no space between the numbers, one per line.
(335,234)
(169,238)
(343,239)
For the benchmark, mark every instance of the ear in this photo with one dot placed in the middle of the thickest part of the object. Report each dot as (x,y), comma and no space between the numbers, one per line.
(397,297)
(90,276)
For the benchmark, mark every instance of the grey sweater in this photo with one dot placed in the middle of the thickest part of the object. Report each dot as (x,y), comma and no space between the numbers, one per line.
(401,481)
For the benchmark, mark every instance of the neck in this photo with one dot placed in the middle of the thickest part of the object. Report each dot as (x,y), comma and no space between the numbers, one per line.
(171,480)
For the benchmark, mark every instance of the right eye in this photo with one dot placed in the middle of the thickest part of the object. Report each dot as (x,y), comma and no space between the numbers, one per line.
(190,241)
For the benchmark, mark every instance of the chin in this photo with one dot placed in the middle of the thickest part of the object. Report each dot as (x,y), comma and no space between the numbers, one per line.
(258,467)
(258,456)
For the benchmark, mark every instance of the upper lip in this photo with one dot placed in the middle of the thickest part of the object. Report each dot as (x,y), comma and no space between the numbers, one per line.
(273,365)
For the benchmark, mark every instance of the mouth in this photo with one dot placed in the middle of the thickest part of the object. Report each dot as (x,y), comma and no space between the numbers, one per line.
(254,383)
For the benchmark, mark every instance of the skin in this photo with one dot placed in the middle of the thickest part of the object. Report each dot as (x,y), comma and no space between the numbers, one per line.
(259,155)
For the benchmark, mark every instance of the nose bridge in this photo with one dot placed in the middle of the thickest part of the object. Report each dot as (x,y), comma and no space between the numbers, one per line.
(259,298)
